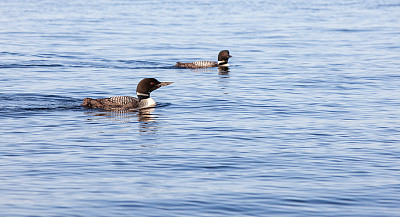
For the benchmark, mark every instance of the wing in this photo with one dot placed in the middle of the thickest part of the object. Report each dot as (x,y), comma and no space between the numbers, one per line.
(204,64)
(112,103)
(197,64)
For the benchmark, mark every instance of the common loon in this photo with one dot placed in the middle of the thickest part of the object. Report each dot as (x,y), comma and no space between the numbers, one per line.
(223,57)
(143,100)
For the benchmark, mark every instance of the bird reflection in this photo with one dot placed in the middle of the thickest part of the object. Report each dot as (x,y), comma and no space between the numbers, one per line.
(201,70)
(147,120)
(145,117)
(223,71)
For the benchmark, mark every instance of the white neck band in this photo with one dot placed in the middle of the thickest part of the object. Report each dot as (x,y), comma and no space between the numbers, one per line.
(142,94)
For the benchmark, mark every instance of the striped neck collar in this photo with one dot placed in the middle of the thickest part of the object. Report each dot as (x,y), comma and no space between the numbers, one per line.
(223,63)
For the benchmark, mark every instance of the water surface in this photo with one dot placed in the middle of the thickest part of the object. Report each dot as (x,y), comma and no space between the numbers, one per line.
(304,123)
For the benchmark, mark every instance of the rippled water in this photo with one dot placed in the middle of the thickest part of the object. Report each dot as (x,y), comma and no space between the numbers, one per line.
(304,123)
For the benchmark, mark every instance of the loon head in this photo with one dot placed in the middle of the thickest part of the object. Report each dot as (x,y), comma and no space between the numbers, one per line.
(223,57)
(147,85)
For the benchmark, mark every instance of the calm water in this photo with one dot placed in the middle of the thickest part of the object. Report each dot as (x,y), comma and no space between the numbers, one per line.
(304,123)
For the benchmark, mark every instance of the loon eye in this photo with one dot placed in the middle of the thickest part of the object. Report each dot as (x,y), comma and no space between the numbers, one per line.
(152,83)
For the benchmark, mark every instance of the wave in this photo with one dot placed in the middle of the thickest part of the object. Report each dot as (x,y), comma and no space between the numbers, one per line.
(21,60)
(81,65)
(5,66)
(29,102)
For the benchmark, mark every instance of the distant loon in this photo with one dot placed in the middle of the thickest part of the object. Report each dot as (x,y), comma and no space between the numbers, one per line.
(143,90)
(223,57)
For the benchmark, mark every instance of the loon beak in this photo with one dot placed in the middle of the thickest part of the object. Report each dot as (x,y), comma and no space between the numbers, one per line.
(162,84)
(229,56)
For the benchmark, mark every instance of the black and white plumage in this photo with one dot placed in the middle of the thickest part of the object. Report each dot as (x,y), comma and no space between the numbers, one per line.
(223,58)
(123,99)
(143,90)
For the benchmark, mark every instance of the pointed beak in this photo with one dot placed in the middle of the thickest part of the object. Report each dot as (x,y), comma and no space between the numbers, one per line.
(162,84)
(230,56)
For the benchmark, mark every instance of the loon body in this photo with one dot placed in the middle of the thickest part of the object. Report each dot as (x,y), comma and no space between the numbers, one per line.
(143,100)
(223,57)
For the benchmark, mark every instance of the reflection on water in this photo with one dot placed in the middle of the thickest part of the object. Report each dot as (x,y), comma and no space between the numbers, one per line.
(202,70)
(147,120)
(223,71)
(145,117)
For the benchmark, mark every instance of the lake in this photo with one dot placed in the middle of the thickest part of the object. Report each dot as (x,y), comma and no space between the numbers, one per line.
(305,122)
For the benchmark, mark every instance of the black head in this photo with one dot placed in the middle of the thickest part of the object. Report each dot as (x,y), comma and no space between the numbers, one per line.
(224,55)
(147,85)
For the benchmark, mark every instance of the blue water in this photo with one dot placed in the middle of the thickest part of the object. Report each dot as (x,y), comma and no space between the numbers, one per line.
(304,123)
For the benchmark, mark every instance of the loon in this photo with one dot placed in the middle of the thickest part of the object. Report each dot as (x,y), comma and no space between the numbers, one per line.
(143,100)
(223,57)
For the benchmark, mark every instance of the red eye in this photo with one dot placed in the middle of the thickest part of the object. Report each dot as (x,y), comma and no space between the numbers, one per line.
(152,83)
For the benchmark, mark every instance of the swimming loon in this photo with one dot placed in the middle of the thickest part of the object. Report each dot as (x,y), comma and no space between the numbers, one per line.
(143,100)
(223,57)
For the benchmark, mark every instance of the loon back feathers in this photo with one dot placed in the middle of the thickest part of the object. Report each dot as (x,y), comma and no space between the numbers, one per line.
(112,103)
(119,103)
(197,64)
(123,100)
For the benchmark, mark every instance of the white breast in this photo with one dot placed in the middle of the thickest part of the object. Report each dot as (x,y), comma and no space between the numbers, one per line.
(146,103)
